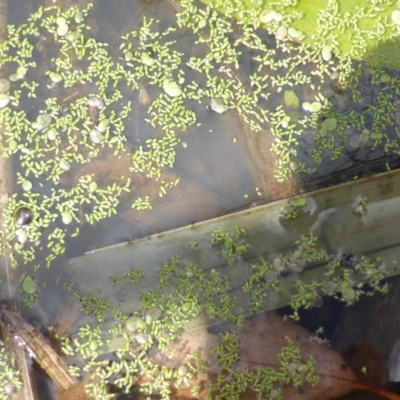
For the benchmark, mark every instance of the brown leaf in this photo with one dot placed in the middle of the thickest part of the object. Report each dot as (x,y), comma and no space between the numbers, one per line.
(268,333)
(76,392)
(261,339)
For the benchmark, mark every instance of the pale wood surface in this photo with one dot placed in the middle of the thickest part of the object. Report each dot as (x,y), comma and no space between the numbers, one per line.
(338,228)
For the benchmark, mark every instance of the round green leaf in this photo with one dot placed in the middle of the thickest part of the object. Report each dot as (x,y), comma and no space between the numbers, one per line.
(315,107)
(29,286)
(12,145)
(64,165)
(349,294)
(55,77)
(27,185)
(102,125)
(128,56)
(182,370)
(147,60)
(323,132)
(376,136)
(93,186)
(21,235)
(172,88)
(61,21)
(4,85)
(186,306)
(326,53)
(52,134)
(43,121)
(62,30)
(93,345)
(66,217)
(78,17)
(135,323)
(329,124)
(4,99)
(396,16)
(298,202)
(219,106)
(295,34)
(267,16)
(21,72)
(73,36)
(281,33)
(291,99)
(95,136)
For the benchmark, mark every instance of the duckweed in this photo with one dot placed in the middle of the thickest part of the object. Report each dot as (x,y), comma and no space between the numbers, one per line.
(52,142)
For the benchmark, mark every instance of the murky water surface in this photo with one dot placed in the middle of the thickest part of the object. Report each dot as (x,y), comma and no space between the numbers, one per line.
(222,163)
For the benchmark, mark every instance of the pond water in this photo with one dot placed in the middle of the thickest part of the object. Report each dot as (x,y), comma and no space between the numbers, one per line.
(126,119)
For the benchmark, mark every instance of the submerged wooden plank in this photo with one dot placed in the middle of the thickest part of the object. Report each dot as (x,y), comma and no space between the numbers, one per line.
(331,218)
(275,300)
(21,363)
(36,344)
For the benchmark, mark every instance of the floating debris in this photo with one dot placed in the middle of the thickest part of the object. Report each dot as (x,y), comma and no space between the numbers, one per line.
(23,216)
(64,109)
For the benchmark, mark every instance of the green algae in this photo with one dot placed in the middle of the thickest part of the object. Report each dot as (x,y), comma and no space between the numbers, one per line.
(363,31)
